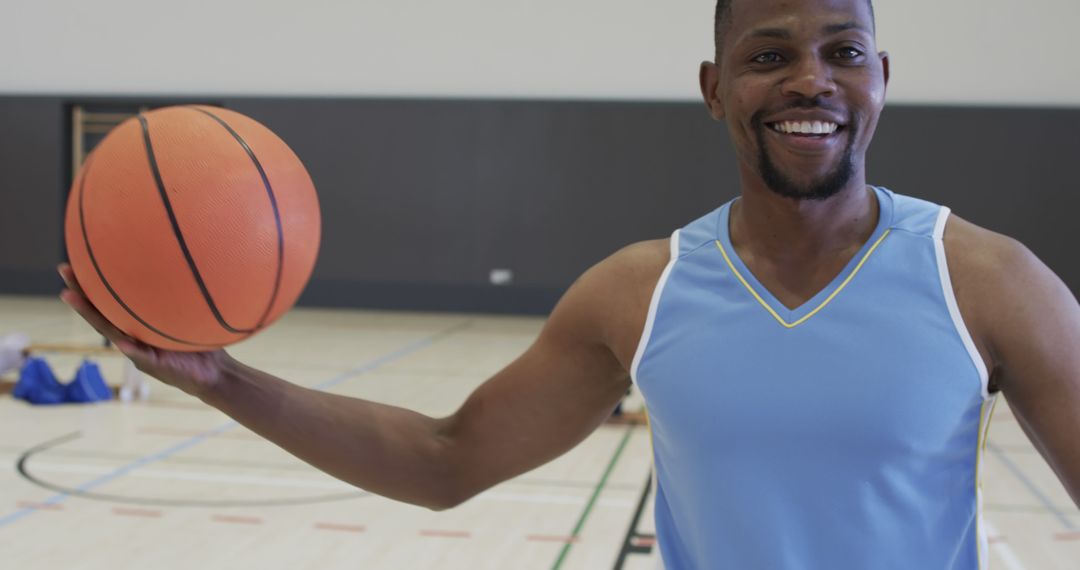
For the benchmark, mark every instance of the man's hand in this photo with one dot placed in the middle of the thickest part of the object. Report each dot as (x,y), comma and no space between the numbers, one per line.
(193,372)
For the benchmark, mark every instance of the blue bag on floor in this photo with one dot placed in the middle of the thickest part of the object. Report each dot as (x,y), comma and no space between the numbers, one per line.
(37,384)
(88,385)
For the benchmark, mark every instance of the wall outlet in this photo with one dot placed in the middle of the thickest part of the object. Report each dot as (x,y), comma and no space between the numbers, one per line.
(501,277)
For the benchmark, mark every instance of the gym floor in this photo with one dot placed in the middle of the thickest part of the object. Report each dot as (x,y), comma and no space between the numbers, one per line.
(171,483)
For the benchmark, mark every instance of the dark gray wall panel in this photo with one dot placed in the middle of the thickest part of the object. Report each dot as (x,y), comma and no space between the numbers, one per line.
(32,174)
(443,191)
(1009,170)
(421,199)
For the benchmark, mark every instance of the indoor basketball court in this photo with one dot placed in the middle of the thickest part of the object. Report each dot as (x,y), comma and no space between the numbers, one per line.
(401,194)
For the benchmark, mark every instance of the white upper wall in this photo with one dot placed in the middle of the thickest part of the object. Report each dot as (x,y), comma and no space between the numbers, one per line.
(1014,52)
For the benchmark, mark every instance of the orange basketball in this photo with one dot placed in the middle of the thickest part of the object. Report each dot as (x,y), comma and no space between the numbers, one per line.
(191,228)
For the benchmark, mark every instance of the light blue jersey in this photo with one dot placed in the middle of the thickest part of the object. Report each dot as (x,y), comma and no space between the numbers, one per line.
(843,434)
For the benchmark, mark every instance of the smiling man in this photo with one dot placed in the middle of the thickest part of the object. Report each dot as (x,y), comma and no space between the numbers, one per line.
(819,357)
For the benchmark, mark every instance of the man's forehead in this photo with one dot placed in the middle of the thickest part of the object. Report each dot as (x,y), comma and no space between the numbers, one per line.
(747,15)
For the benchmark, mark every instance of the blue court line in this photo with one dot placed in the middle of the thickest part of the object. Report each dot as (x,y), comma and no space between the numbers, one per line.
(197,439)
(1031,486)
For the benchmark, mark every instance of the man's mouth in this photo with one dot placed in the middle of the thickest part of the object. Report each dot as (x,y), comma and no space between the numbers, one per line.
(819,129)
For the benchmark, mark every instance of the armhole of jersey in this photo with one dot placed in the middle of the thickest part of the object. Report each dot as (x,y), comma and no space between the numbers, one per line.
(643,342)
(950,300)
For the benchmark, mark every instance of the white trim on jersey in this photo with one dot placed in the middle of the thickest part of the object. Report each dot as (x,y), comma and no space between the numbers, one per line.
(643,342)
(950,300)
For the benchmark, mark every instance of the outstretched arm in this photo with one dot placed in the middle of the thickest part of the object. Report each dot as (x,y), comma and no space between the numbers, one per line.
(538,407)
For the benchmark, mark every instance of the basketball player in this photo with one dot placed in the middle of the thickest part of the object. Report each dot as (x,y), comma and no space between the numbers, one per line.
(818,357)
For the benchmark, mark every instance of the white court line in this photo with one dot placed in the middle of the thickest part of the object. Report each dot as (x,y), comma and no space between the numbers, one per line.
(196,476)
(327,484)
(546,499)
(1003,550)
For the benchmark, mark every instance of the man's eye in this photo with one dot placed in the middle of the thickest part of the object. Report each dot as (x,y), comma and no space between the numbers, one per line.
(768,57)
(848,53)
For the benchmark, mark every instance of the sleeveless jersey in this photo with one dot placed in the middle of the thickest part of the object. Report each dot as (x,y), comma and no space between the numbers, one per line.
(845,433)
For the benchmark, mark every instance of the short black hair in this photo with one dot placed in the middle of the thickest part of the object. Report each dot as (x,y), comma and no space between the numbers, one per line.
(723,18)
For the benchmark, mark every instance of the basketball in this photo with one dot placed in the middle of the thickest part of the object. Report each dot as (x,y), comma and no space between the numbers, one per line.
(191,228)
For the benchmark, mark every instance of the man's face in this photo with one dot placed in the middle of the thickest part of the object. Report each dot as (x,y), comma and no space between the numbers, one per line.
(801,86)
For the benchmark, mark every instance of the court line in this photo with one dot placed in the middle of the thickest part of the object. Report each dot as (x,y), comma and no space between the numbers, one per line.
(22,469)
(406,350)
(592,500)
(1003,550)
(205,477)
(634,522)
(1031,486)
(304,467)
(437,533)
(323,483)
(236,519)
(340,527)
(144,513)
(550,538)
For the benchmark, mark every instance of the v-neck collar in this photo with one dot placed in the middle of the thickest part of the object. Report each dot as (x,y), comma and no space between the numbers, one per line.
(790,318)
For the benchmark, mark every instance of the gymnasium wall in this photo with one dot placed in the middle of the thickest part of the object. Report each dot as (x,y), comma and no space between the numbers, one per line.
(450,139)
(944,51)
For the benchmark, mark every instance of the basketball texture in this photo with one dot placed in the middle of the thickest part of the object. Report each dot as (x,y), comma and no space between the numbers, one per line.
(191,228)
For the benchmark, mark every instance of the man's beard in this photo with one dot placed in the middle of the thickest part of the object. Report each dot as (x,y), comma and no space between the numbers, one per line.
(821,189)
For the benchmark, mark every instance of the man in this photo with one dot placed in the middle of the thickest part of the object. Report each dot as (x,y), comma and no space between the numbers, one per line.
(818,358)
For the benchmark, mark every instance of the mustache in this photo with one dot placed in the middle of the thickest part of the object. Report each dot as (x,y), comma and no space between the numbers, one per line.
(802,103)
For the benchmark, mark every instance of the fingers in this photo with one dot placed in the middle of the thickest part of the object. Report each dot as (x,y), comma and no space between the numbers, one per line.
(91,315)
(74,297)
(68,275)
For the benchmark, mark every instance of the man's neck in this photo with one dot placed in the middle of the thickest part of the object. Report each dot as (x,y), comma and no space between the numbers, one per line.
(779,228)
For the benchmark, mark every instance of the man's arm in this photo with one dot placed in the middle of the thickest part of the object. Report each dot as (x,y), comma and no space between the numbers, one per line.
(541,405)
(1027,324)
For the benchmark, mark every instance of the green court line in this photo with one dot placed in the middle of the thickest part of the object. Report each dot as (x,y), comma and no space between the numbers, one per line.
(592,500)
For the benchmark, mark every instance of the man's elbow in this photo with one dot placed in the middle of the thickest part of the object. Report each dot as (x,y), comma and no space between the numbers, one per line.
(450,494)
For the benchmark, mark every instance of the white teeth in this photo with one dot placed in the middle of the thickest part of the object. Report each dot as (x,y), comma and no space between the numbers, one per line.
(806,127)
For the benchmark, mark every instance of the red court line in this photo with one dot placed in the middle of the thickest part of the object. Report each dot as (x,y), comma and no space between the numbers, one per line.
(446,533)
(1069,536)
(341,527)
(145,513)
(648,541)
(236,520)
(553,538)
(39,506)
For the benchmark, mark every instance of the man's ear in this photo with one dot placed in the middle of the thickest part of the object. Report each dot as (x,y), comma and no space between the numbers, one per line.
(709,78)
(885,65)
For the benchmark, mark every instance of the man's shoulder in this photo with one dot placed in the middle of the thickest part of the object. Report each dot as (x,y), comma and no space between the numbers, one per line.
(1001,286)
(623,281)
(983,253)
(640,258)
(608,304)
(627,277)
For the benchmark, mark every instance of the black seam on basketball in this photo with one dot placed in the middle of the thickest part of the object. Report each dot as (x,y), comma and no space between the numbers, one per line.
(273,204)
(179,235)
(101,275)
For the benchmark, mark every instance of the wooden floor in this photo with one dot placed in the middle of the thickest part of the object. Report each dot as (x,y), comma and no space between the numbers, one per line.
(170,483)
